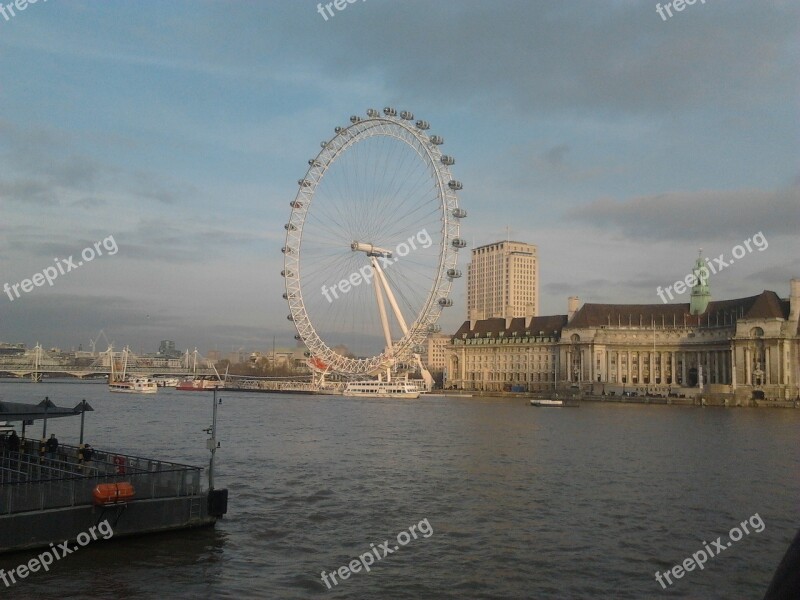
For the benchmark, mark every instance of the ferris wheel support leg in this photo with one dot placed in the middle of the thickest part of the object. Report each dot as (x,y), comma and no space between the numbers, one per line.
(391,298)
(426,375)
(382,308)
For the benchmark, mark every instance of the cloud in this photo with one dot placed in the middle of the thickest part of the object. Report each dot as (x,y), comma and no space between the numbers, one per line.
(28,191)
(702,215)
(523,56)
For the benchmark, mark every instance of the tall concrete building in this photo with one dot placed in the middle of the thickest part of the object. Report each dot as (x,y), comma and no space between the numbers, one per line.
(503,281)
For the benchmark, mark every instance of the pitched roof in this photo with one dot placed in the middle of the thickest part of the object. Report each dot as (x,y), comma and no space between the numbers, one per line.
(547,324)
(766,305)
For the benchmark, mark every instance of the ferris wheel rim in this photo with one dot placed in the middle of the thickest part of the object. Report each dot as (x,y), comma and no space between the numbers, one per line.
(427,149)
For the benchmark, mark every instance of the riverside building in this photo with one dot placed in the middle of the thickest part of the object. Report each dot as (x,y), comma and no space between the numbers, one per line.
(503,281)
(737,350)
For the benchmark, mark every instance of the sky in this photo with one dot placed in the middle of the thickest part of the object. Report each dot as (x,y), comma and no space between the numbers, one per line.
(617,141)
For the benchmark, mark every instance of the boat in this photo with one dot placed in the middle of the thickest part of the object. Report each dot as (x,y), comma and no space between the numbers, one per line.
(167,381)
(137,385)
(198,384)
(381,389)
(5,428)
(538,402)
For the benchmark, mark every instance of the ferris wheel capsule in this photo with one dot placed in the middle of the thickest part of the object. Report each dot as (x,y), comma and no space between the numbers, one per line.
(407,116)
(448,160)
(372,113)
(423,125)
(389,111)
(437,140)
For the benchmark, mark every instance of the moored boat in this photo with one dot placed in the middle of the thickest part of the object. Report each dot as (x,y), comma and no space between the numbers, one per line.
(541,402)
(166,381)
(567,403)
(381,389)
(137,385)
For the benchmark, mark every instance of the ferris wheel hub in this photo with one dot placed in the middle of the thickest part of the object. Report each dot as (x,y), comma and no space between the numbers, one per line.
(370,249)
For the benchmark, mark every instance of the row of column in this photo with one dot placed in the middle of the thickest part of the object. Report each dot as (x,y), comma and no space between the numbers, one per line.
(755,357)
(661,365)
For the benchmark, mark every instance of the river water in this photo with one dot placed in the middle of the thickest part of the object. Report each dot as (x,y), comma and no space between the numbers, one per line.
(521,502)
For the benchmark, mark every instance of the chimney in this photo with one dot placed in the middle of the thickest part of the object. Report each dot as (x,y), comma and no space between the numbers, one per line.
(794,300)
(572,307)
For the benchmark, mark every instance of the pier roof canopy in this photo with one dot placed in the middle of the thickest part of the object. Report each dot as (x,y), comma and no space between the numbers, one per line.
(18,411)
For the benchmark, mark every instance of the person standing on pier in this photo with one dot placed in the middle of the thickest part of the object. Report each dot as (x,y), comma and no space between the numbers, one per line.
(51,446)
(13,446)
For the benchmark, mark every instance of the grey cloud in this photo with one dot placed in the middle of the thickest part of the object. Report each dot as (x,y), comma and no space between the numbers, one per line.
(709,215)
(28,191)
(522,56)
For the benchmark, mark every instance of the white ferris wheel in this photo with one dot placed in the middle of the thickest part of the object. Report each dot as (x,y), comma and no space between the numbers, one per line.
(372,245)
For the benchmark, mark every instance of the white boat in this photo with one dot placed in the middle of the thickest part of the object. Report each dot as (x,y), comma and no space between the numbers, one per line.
(138,385)
(381,389)
(166,381)
(5,428)
(537,402)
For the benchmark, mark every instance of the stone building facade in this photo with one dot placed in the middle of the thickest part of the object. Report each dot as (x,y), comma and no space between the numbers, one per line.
(740,349)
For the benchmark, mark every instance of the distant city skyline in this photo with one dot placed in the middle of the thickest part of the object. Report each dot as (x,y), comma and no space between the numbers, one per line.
(615,142)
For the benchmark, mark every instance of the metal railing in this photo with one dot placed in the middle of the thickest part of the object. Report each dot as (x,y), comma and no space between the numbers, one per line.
(31,480)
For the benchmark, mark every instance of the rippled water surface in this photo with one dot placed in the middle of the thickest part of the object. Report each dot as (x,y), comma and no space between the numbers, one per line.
(524,502)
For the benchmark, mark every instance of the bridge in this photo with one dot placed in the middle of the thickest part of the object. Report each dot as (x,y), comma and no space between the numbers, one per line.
(36,362)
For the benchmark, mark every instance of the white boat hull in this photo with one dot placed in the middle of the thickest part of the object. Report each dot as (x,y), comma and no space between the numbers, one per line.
(408,395)
(381,389)
(535,402)
(137,386)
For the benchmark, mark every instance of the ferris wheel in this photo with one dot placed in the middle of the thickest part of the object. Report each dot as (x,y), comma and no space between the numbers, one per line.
(372,244)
